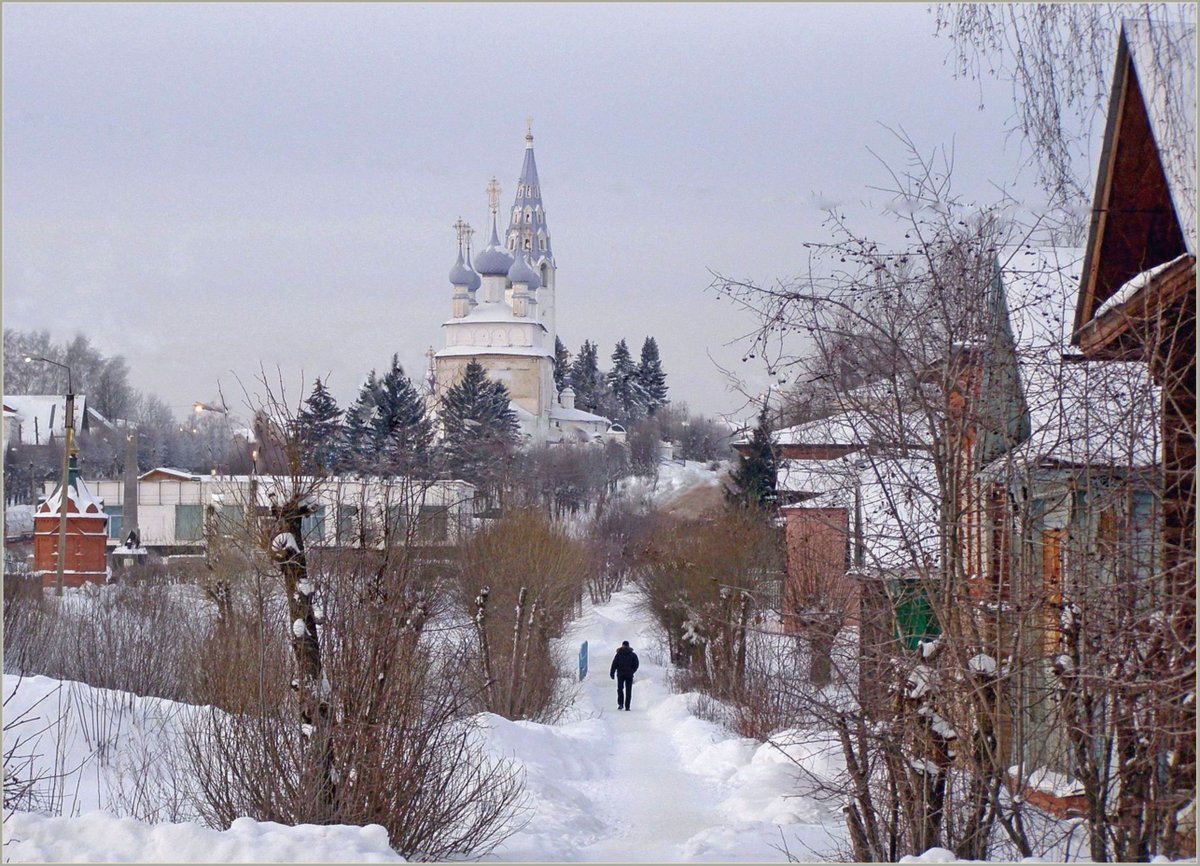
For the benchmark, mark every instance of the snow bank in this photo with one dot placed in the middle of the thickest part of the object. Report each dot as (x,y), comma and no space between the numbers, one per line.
(101,837)
(91,748)
(673,482)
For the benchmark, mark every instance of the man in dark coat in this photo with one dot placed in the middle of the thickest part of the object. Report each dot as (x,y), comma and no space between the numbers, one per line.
(624,664)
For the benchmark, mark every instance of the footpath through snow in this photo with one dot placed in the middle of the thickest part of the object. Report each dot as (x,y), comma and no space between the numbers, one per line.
(655,783)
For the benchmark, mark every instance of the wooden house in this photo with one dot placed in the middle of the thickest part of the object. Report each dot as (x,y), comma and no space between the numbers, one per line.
(1137,302)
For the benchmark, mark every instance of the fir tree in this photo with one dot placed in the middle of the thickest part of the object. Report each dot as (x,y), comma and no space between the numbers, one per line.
(319,430)
(756,472)
(562,364)
(402,430)
(651,377)
(481,428)
(629,400)
(387,428)
(586,379)
(360,425)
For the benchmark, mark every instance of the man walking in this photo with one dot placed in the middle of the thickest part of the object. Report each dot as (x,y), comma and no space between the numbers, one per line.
(624,664)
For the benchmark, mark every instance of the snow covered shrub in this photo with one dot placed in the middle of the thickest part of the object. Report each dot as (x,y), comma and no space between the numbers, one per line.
(535,576)
(700,580)
(144,638)
(400,749)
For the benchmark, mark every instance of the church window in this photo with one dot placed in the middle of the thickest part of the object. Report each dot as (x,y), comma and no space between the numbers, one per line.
(528,243)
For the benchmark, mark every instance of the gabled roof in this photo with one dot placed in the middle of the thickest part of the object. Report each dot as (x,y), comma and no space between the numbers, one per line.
(898,494)
(1099,414)
(1144,208)
(44,415)
(166,473)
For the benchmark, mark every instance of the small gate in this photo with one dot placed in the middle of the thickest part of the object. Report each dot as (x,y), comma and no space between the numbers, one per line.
(583,659)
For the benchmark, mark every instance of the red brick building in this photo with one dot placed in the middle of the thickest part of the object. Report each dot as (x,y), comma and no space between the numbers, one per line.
(87,535)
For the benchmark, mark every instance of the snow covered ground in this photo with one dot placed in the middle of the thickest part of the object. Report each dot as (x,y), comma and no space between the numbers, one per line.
(656,783)
(652,784)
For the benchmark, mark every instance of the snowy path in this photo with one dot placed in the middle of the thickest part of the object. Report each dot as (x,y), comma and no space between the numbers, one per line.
(651,805)
(652,784)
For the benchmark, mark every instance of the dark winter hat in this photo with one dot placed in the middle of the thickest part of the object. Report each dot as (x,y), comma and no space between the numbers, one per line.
(624,643)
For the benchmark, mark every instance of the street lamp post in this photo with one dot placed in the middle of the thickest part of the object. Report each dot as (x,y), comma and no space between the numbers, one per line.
(69,444)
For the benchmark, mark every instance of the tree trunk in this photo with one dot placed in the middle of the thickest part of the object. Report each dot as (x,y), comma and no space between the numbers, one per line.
(287,548)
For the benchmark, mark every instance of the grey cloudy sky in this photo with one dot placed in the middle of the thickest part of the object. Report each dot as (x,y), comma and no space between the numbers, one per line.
(206,187)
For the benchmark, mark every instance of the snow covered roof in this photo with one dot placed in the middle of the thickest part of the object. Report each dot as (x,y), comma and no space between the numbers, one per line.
(560,413)
(1095,413)
(169,473)
(1168,85)
(899,499)
(80,500)
(497,312)
(858,426)
(44,415)
(1039,286)
(485,351)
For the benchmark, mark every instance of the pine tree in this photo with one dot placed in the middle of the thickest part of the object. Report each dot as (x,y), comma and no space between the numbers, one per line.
(386,428)
(360,426)
(629,399)
(757,469)
(651,376)
(319,430)
(586,379)
(481,427)
(402,430)
(562,364)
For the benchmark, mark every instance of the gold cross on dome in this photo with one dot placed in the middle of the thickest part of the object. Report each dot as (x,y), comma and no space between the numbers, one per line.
(529,129)
(460,228)
(493,191)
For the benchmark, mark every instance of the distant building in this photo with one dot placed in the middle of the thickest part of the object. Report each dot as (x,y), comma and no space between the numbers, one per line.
(503,316)
(85,560)
(39,419)
(177,509)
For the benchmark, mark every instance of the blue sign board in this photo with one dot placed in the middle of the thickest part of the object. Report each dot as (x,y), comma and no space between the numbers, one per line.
(582,660)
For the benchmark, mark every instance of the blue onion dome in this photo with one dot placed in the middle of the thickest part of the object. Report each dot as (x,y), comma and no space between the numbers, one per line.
(494,261)
(476,282)
(459,274)
(522,272)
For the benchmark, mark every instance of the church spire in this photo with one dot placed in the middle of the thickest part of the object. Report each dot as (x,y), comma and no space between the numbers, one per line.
(527,229)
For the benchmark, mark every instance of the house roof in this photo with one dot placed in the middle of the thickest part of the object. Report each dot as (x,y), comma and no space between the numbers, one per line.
(44,415)
(1144,207)
(1100,414)
(898,498)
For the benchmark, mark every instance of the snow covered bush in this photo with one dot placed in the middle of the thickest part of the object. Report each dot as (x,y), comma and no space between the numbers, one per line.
(535,573)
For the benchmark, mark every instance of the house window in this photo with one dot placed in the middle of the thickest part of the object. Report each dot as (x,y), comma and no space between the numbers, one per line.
(434,523)
(114,513)
(312,526)
(397,521)
(189,522)
(230,518)
(347,524)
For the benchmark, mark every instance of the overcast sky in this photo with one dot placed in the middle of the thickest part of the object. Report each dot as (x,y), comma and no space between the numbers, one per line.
(204,188)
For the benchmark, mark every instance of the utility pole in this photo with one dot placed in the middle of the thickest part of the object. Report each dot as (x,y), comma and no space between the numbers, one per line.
(68,447)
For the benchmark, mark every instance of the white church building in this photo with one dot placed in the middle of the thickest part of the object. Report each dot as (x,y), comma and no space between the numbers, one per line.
(503,317)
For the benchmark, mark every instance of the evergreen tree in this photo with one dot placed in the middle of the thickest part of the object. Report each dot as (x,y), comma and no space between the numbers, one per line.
(387,428)
(562,364)
(360,426)
(586,379)
(402,431)
(319,430)
(651,377)
(481,427)
(757,469)
(629,400)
